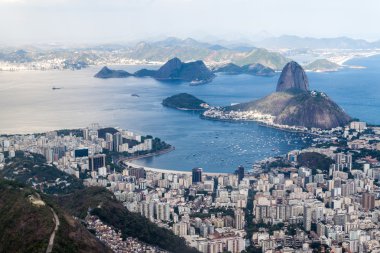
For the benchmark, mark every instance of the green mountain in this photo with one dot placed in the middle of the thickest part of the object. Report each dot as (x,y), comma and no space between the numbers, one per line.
(322,65)
(184,101)
(103,204)
(26,224)
(270,59)
(25,227)
(251,69)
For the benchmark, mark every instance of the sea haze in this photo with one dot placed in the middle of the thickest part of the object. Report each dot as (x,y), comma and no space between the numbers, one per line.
(28,104)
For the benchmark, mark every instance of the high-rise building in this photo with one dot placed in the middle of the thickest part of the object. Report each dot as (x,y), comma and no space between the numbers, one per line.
(197,175)
(239,219)
(343,161)
(136,172)
(368,201)
(307,215)
(163,211)
(96,161)
(117,141)
(81,152)
(109,141)
(240,173)
(86,134)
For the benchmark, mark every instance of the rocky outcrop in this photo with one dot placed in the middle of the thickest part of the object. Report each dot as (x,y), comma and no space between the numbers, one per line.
(195,72)
(105,73)
(175,69)
(293,77)
(292,105)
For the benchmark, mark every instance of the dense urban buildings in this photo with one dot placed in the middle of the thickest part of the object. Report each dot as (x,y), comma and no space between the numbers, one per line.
(322,197)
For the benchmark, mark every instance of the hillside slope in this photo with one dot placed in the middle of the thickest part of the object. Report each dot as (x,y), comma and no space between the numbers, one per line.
(104,205)
(26,223)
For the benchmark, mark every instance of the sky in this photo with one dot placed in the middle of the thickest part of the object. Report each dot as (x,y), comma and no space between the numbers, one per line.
(108,21)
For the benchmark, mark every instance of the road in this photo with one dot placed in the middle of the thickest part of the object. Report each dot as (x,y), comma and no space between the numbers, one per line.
(52,236)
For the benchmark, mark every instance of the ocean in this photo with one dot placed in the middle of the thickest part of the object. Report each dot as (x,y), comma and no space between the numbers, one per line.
(29,104)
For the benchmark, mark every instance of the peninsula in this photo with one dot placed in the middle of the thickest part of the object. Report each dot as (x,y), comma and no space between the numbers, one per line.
(292,106)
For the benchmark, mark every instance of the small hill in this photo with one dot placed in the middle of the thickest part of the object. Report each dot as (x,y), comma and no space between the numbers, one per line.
(185,101)
(229,68)
(251,69)
(105,73)
(144,73)
(322,65)
(258,70)
(270,59)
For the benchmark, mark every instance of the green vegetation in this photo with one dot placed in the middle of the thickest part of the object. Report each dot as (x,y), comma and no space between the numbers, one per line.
(24,227)
(184,101)
(315,161)
(270,59)
(103,204)
(31,169)
(322,65)
(224,211)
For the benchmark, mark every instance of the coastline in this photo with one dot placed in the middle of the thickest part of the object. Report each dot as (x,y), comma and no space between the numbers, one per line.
(128,162)
(263,124)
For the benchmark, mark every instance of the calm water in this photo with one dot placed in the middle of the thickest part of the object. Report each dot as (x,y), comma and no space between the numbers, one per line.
(28,104)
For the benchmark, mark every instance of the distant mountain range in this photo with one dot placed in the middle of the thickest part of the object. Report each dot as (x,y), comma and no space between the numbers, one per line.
(185,49)
(290,41)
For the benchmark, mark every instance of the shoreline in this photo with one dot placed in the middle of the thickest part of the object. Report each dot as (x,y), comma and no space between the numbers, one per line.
(128,162)
(263,124)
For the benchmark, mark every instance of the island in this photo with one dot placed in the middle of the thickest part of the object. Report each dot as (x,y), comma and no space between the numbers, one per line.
(105,73)
(292,106)
(195,72)
(322,65)
(256,69)
(185,101)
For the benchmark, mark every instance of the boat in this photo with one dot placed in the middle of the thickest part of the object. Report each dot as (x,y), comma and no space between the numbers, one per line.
(56,88)
(135,95)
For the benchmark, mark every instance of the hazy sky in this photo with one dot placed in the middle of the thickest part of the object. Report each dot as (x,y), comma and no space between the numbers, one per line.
(76,21)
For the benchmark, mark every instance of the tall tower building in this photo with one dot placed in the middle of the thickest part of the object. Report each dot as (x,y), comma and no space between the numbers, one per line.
(117,141)
(368,201)
(239,219)
(96,161)
(307,215)
(240,173)
(197,175)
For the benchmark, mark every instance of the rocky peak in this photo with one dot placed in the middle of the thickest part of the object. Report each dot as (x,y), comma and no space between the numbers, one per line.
(169,68)
(292,77)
